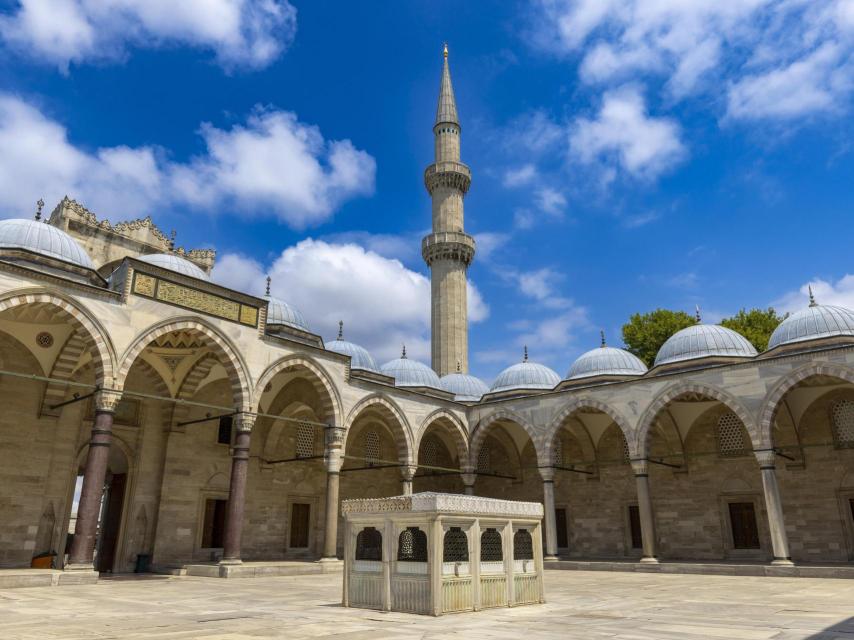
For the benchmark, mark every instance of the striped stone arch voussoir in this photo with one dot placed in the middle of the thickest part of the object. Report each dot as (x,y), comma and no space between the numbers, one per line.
(772,400)
(93,333)
(579,404)
(457,431)
(319,378)
(482,429)
(638,447)
(211,337)
(403,432)
(190,385)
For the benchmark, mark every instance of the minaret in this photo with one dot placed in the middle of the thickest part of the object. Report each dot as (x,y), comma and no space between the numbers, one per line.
(448,251)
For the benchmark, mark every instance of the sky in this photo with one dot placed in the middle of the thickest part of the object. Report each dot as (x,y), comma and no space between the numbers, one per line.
(626,154)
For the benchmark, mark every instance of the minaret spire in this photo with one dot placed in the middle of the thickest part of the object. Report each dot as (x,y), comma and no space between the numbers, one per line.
(446,111)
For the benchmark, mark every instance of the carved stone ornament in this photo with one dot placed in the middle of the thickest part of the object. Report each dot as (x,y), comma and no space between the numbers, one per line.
(335,437)
(766,458)
(244,421)
(451,503)
(640,467)
(44,340)
(107,400)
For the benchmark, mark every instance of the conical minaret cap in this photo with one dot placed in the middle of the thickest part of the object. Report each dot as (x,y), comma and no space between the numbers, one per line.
(447,109)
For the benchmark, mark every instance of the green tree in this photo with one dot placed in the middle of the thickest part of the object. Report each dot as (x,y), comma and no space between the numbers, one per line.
(644,333)
(756,325)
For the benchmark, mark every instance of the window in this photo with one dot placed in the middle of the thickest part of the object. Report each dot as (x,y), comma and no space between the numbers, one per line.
(842,414)
(635,527)
(557,452)
(490,546)
(626,456)
(412,545)
(456,546)
(371,447)
(523,545)
(223,435)
(369,544)
(742,518)
(562,533)
(213,527)
(484,462)
(305,440)
(731,436)
(430,456)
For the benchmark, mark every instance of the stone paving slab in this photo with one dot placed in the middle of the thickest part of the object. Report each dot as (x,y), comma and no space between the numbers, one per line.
(588,605)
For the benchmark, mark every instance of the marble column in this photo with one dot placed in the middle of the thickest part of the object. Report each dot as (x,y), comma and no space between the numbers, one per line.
(776,526)
(233,534)
(407,473)
(548,475)
(334,460)
(94,475)
(469,478)
(647,520)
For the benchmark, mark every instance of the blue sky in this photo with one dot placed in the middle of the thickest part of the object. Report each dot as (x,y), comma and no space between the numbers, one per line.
(626,155)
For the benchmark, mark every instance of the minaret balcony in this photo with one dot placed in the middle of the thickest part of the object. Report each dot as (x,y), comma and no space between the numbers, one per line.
(454,175)
(448,245)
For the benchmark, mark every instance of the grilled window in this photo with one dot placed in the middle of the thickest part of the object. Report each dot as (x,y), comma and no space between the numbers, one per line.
(456,546)
(484,462)
(523,545)
(305,440)
(430,454)
(412,545)
(371,447)
(731,436)
(557,451)
(369,544)
(490,546)
(842,414)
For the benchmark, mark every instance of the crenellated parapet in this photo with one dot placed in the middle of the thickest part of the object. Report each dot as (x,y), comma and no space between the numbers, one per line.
(448,245)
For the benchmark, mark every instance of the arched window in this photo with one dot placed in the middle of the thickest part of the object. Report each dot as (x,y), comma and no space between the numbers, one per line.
(842,414)
(371,447)
(490,546)
(731,436)
(484,462)
(456,546)
(305,440)
(412,545)
(369,544)
(523,545)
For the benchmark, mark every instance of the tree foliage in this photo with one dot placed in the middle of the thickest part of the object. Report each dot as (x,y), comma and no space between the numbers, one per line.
(644,333)
(756,325)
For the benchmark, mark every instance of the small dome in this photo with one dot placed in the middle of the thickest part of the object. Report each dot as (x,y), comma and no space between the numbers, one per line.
(606,361)
(464,387)
(175,263)
(280,312)
(526,375)
(704,341)
(44,239)
(360,358)
(814,322)
(411,373)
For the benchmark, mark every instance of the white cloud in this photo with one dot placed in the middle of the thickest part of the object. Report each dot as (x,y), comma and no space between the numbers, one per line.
(839,293)
(533,132)
(240,33)
(541,285)
(623,133)
(640,220)
(272,164)
(488,242)
(405,247)
(382,303)
(553,333)
(550,201)
(520,176)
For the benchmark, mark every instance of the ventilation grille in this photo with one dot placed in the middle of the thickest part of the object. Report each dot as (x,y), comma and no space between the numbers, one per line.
(305,440)
(843,423)
(731,436)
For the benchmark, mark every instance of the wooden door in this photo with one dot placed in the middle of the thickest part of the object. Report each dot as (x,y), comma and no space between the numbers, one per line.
(562,534)
(635,527)
(745,533)
(299,525)
(110,523)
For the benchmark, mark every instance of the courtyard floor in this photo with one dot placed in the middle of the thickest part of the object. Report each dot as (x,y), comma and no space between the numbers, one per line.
(580,604)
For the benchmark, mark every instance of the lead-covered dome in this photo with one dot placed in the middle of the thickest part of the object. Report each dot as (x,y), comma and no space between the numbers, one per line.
(606,361)
(360,358)
(465,387)
(815,322)
(411,373)
(43,239)
(175,263)
(526,375)
(704,341)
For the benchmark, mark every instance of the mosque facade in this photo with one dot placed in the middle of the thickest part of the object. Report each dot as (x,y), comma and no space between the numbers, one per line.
(153,419)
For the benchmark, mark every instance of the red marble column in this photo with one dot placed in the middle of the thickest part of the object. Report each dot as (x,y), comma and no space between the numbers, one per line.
(237,492)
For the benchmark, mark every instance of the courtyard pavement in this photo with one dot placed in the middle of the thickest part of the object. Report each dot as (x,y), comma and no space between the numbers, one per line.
(581,604)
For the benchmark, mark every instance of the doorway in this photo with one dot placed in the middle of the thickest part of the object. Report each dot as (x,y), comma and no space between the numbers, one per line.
(300,520)
(745,532)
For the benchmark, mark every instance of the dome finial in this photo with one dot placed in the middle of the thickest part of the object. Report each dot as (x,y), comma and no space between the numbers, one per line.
(813,303)
(525,356)
(697,314)
(403,355)
(340,329)
(267,292)
(445,50)
(40,205)
(602,335)
(172,240)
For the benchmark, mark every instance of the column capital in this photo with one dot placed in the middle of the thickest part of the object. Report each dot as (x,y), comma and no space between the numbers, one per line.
(547,474)
(244,421)
(407,472)
(335,437)
(767,458)
(469,478)
(106,400)
(640,466)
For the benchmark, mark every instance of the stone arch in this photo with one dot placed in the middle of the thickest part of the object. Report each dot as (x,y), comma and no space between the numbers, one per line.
(63,369)
(320,379)
(771,403)
(95,337)
(160,389)
(575,405)
(277,428)
(231,359)
(199,370)
(402,435)
(639,445)
(454,428)
(480,433)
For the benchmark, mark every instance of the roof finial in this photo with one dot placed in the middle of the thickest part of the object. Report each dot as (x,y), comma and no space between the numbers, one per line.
(602,335)
(40,205)
(459,367)
(340,329)
(525,356)
(403,355)
(267,292)
(445,50)
(813,303)
(697,314)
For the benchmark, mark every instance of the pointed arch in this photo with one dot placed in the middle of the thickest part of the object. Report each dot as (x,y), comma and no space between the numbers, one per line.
(199,370)
(94,335)
(402,435)
(63,369)
(453,427)
(160,389)
(481,431)
(579,404)
(639,445)
(213,339)
(320,378)
(771,403)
